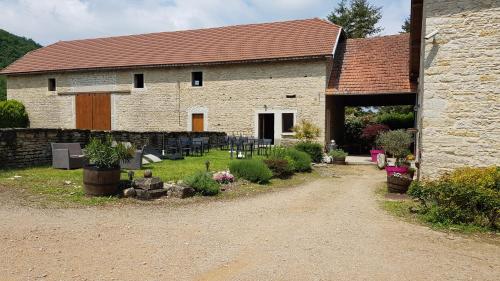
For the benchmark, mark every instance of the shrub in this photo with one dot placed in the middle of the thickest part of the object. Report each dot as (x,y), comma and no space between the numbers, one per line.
(338,153)
(13,115)
(371,132)
(104,154)
(315,150)
(306,131)
(252,170)
(396,143)
(397,120)
(203,184)
(300,161)
(465,196)
(281,168)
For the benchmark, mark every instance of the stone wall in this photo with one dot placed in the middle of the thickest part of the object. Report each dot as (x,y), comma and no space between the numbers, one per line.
(461,86)
(31,147)
(231,96)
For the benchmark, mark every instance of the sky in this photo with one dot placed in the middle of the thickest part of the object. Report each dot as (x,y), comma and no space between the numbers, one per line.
(49,21)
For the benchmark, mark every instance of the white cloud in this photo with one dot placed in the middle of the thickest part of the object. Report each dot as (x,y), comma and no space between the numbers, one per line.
(49,21)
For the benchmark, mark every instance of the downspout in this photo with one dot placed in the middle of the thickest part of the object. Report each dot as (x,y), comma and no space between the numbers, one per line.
(420,95)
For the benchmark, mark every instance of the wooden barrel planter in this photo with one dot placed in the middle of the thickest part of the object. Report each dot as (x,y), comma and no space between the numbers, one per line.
(398,184)
(338,160)
(101,182)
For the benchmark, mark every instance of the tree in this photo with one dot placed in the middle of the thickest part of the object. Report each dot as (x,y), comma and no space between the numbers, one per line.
(405,28)
(12,47)
(358,19)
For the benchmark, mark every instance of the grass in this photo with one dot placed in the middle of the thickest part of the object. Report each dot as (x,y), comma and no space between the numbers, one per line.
(46,186)
(403,209)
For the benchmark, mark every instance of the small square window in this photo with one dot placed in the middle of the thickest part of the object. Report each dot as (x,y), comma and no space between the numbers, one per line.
(287,122)
(139,81)
(52,84)
(197,79)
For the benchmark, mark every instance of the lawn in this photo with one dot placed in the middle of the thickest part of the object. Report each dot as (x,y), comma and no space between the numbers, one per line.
(65,186)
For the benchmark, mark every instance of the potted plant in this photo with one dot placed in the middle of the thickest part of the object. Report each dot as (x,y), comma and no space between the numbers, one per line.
(370,133)
(397,144)
(338,156)
(102,176)
(398,183)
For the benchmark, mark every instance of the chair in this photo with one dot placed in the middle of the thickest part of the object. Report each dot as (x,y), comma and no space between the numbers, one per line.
(206,143)
(67,156)
(135,163)
(197,146)
(172,146)
(185,145)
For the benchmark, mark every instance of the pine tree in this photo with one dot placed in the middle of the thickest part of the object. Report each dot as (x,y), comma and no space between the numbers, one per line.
(405,28)
(358,19)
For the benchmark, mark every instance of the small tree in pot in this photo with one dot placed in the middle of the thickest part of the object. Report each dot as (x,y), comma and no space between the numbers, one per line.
(397,144)
(102,176)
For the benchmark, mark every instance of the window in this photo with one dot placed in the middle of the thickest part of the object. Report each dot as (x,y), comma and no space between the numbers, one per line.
(139,81)
(52,84)
(197,79)
(287,122)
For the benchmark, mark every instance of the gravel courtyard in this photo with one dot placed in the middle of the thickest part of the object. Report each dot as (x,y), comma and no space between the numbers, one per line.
(328,229)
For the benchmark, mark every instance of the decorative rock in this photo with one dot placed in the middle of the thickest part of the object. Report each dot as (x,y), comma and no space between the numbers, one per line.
(142,194)
(148,173)
(327,159)
(182,191)
(129,192)
(156,193)
(148,183)
(381,161)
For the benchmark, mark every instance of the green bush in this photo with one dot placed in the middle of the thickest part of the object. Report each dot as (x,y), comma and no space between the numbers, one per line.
(13,115)
(397,120)
(203,184)
(465,196)
(252,170)
(315,150)
(300,161)
(281,168)
(338,153)
(104,154)
(306,130)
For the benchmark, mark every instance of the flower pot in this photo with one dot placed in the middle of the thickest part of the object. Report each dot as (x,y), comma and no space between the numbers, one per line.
(398,184)
(101,181)
(338,160)
(374,153)
(394,169)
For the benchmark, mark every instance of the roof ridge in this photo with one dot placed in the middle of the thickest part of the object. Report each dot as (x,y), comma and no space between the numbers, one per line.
(197,29)
(379,37)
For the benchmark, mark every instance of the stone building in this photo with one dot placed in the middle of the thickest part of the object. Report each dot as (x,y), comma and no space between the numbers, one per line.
(255,80)
(456,57)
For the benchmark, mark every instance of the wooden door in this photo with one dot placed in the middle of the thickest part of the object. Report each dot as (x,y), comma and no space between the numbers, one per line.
(101,112)
(84,111)
(197,122)
(93,111)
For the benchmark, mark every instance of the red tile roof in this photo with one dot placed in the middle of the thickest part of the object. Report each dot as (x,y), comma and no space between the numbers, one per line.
(267,41)
(372,65)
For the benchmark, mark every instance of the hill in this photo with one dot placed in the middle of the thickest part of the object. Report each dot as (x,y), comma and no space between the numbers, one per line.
(12,47)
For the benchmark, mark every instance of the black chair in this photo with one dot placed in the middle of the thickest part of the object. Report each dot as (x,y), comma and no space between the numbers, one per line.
(197,147)
(172,146)
(185,145)
(206,144)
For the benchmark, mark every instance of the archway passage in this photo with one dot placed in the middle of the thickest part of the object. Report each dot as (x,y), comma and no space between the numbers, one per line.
(368,72)
(336,113)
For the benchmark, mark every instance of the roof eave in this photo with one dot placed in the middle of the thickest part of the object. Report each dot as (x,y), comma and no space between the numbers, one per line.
(6,72)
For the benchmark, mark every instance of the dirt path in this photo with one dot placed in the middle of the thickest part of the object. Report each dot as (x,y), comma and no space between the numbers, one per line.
(330,229)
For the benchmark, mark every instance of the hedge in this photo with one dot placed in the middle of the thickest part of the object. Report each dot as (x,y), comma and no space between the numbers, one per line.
(13,115)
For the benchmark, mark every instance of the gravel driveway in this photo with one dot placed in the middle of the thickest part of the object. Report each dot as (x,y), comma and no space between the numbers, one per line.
(329,229)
